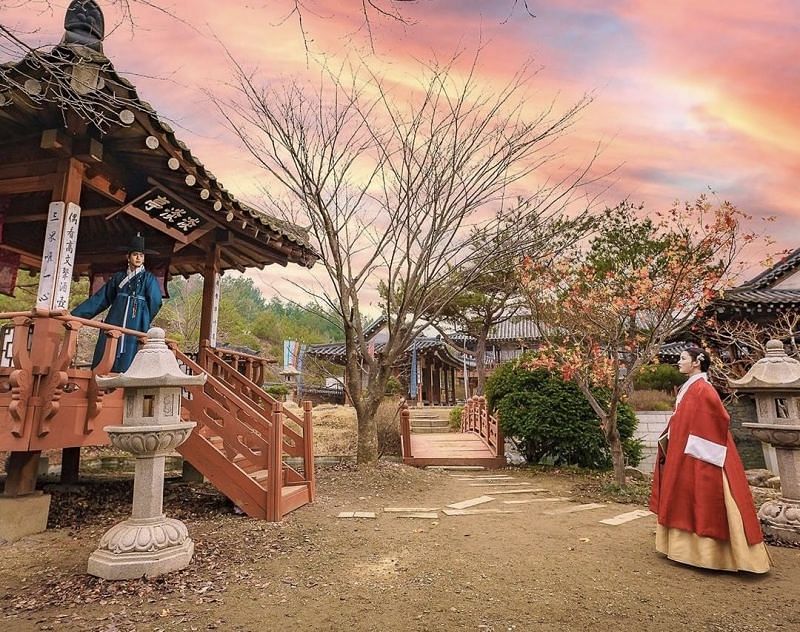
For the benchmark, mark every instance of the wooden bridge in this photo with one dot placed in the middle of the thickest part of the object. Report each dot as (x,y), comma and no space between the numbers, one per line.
(479,442)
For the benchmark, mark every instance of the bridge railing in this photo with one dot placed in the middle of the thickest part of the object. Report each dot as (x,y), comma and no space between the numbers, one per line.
(475,418)
(405,431)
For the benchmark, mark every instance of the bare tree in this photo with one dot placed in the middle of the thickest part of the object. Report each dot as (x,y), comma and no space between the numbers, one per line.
(68,77)
(394,191)
(737,344)
(494,297)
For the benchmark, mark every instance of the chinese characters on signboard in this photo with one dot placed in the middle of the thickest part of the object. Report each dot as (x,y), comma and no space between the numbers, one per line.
(58,257)
(160,206)
(52,244)
(66,260)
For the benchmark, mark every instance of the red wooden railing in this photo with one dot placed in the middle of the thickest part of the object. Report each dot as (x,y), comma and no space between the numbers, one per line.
(251,366)
(405,430)
(475,418)
(242,436)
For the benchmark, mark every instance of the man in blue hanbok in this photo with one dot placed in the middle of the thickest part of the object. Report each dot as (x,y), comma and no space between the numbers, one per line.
(134,298)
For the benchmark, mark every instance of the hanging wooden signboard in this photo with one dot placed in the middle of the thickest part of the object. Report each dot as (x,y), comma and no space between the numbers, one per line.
(167,212)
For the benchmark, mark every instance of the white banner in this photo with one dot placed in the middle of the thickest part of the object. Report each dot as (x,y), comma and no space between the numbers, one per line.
(52,247)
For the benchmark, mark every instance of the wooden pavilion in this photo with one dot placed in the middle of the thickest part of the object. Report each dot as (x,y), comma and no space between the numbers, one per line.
(84,164)
(427,369)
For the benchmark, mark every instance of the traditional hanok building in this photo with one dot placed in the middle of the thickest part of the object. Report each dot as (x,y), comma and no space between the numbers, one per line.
(427,370)
(763,298)
(84,164)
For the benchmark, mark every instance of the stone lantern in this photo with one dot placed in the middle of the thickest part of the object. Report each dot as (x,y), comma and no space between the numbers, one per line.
(775,382)
(147,543)
(290,375)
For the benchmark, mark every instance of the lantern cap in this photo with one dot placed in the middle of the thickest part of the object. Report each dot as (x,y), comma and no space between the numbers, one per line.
(776,371)
(154,365)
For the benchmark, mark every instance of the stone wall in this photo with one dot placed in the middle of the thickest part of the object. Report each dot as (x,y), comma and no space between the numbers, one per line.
(649,426)
(743,410)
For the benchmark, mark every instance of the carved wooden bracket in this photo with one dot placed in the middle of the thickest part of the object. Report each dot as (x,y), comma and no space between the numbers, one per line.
(94,394)
(52,385)
(21,378)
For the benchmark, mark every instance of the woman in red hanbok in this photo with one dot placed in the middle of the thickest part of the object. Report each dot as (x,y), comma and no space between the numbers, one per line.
(700,492)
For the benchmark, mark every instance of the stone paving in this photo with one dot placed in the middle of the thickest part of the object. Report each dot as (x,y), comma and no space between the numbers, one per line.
(467,507)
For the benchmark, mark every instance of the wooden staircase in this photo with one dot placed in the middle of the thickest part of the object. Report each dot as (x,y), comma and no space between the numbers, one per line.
(241,438)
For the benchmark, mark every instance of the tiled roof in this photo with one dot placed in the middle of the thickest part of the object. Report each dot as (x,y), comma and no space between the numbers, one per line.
(119,98)
(519,328)
(768,296)
(673,349)
(770,277)
(336,351)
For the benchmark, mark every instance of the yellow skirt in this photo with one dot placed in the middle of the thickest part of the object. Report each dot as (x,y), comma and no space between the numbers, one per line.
(732,555)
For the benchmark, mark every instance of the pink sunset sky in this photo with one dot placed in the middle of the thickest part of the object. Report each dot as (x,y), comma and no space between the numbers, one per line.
(689,97)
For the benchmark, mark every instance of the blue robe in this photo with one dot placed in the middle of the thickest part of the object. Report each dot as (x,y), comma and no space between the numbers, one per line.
(133,306)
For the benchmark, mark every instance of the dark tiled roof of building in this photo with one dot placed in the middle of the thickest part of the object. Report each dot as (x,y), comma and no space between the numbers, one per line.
(770,277)
(123,108)
(336,351)
(778,297)
(520,328)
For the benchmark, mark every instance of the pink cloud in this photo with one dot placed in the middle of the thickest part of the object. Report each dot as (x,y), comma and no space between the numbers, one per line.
(688,95)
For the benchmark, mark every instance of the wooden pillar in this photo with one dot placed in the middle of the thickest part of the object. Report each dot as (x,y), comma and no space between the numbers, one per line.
(426,381)
(445,385)
(70,465)
(23,468)
(453,384)
(61,237)
(58,259)
(210,309)
(437,382)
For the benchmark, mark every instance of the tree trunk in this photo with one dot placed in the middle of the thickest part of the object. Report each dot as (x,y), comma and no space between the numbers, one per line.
(480,362)
(366,405)
(367,453)
(615,444)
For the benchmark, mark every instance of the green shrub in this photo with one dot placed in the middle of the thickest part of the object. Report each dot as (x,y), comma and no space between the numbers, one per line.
(277,390)
(659,377)
(393,386)
(509,378)
(455,417)
(651,400)
(551,420)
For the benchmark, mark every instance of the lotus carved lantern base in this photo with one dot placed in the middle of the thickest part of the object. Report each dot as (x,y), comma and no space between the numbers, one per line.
(780,518)
(148,543)
(142,548)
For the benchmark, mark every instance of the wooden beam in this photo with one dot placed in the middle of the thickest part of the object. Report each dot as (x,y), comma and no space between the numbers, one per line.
(27,184)
(101,183)
(28,168)
(192,237)
(88,150)
(40,217)
(57,141)
(68,182)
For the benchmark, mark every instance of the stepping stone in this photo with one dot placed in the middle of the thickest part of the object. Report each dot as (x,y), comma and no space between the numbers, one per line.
(517,491)
(409,509)
(499,484)
(627,517)
(456,468)
(420,514)
(573,509)
(482,478)
(477,512)
(535,500)
(471,502)
(356,514)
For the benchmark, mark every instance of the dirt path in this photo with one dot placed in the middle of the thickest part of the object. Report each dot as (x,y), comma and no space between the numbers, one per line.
(523,571)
